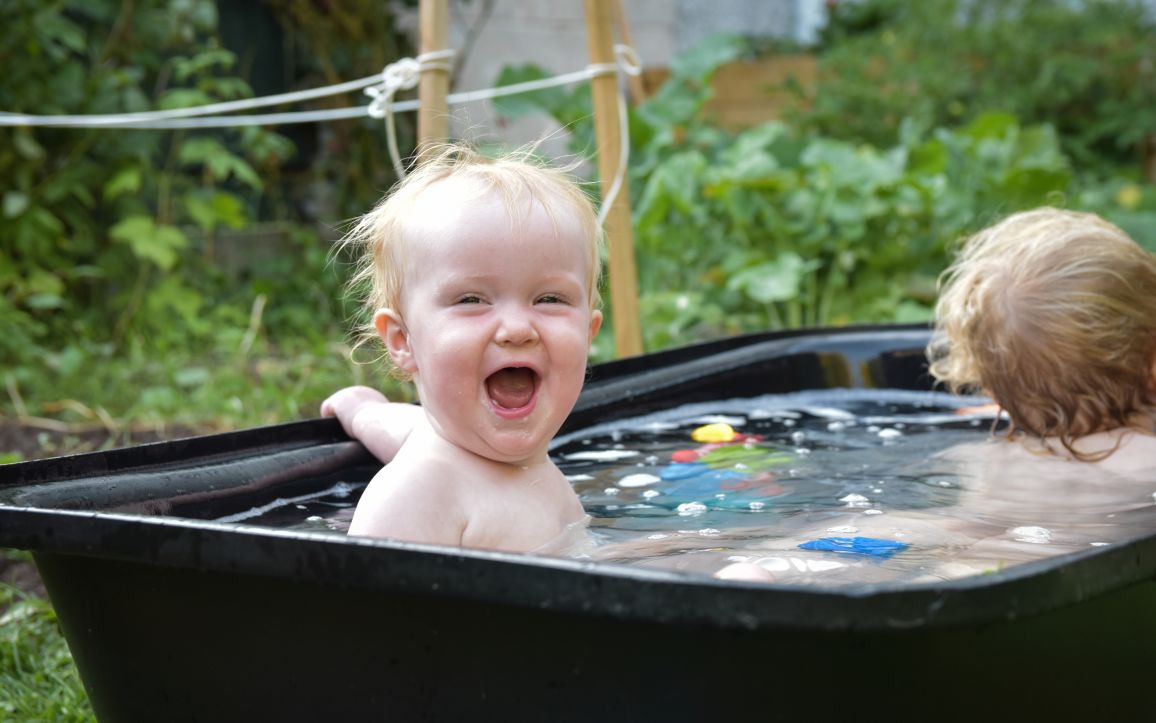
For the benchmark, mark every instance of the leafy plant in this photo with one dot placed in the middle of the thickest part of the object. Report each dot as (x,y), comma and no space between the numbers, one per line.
(1088,69)
(777,226)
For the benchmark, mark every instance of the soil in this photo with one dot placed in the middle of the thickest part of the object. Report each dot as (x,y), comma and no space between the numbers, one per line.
(31,441)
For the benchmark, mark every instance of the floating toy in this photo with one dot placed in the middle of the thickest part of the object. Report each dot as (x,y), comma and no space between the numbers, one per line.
(857,545)
(718,432)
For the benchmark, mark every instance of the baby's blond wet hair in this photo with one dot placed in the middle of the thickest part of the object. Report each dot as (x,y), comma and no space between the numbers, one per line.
(380,237)
(1053,313)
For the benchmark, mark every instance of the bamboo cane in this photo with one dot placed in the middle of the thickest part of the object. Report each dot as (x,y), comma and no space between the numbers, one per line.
(432,115)
(619,232)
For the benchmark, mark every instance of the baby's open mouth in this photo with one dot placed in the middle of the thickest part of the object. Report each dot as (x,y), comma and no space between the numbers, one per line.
(512,387)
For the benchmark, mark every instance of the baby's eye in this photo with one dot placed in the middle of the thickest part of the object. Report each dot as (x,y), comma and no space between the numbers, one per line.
(470,299)
(550,299)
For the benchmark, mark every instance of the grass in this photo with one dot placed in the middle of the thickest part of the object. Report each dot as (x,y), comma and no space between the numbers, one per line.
(87,398)
(38,680)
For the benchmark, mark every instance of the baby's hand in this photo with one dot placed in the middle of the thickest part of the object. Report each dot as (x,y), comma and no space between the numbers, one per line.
(346,403)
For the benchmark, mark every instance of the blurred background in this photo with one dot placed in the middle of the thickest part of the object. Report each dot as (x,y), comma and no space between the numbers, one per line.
(793,163)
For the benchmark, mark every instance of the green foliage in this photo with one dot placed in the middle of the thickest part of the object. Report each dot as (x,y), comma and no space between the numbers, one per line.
(37,676)
(1088,69)
(776,228)
(93,225)
(122,285)
(782,227)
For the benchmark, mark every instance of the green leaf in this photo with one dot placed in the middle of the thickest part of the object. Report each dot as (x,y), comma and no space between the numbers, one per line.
(772,281)
(184,98)
(992,125)
(26,145)
(126,180)
(191,376)
(15,203)
(44,301)
(221,162)
(149,241)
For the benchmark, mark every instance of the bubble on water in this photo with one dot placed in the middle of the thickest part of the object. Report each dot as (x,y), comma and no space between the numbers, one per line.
(579,477)
(944,483)
(638,480)
(900,425)
(1099,544)
(889,434)
(691,509)
(877,490)
(802,451)
(601,455)
(658,536)
(872,429)
(872,512)
(740,466)
(610,491)
(792,472)
(836,426)
(651,494)
(709,532)
(843,529)
(829,413)
(855,500)
(788,422)
(616,435)
(731,419)
(651,459)
(974,422)
(798,437)
(301,507)
(314,518)
(760,414)
(756,505)
(720,496)
(1032,534)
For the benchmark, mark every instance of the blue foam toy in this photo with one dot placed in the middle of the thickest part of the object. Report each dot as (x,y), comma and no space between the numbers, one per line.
(683,470)
(859,545)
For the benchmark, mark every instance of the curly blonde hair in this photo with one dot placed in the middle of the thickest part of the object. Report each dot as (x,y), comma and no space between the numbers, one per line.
(1052,313)
(380,238)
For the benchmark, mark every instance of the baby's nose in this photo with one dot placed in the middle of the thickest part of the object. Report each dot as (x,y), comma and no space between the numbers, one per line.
(516,328)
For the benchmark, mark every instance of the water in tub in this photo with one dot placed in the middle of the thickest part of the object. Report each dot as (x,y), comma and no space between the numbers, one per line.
(823,487)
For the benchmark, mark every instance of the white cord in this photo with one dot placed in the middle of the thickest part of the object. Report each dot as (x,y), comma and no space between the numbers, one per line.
(141,119)
(403,74)
(629,63)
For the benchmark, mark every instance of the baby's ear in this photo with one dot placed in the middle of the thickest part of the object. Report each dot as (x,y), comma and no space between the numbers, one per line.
(595,325)
(394,335)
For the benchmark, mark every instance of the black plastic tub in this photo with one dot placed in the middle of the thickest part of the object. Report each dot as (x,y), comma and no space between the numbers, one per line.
(174,618)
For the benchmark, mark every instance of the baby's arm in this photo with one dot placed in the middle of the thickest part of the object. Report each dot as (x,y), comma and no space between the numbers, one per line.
(367,416)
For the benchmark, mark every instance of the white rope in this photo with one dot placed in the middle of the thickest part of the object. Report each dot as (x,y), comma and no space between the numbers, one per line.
(403,74)
(143,118)
(311,116)
(630,64)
